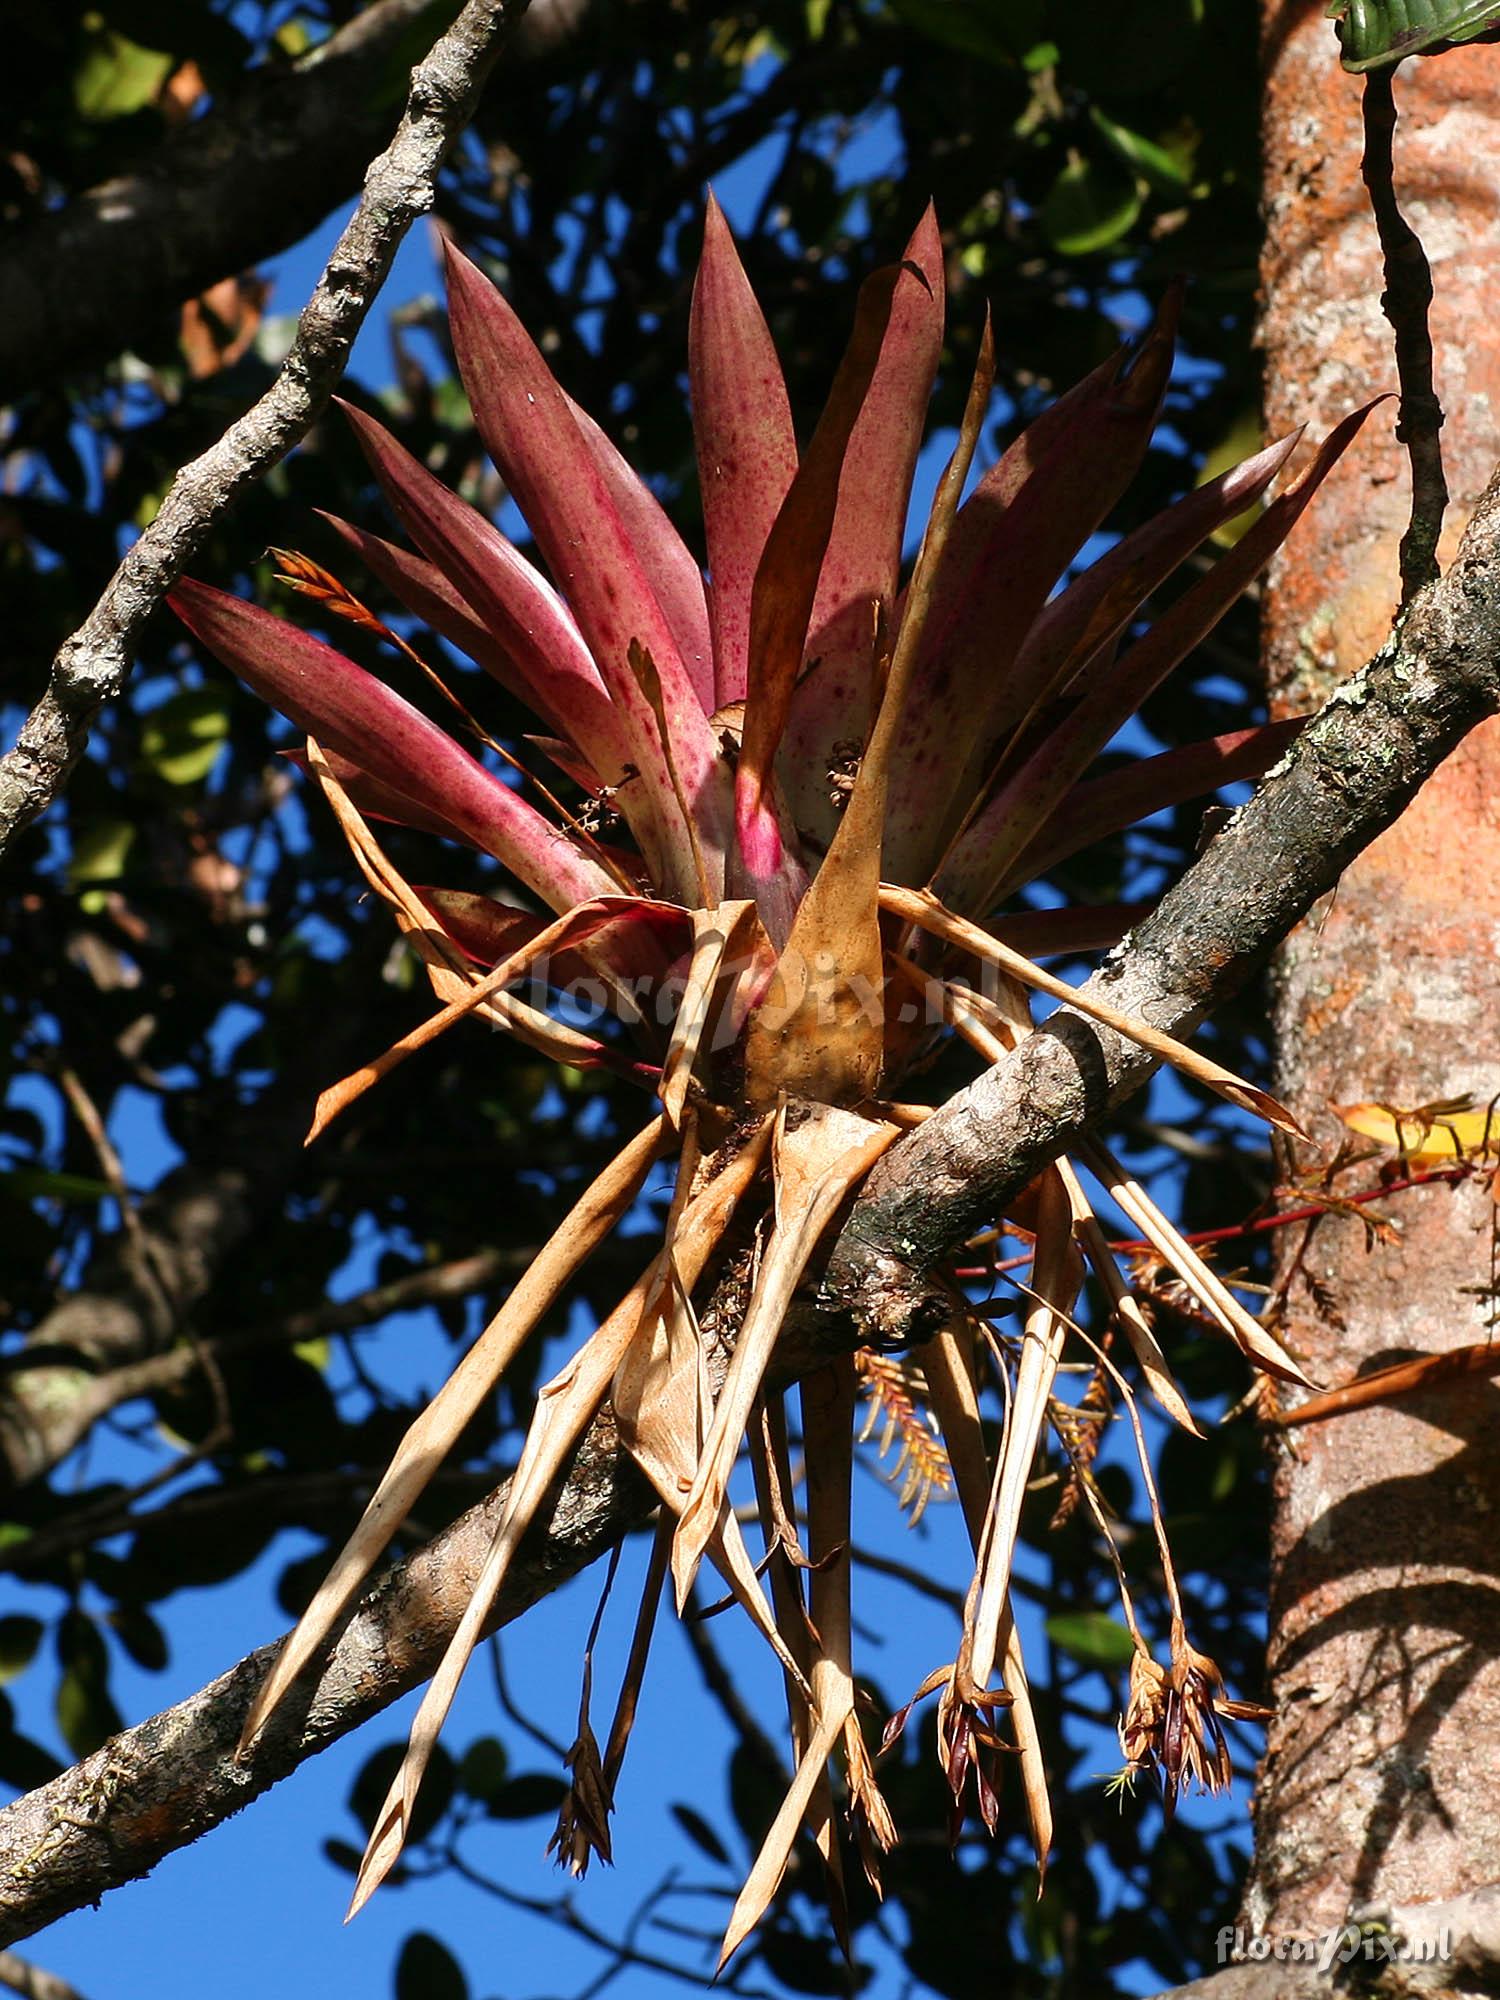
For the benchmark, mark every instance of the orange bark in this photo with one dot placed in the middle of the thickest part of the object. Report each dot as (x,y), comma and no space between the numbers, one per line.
(1380,1776)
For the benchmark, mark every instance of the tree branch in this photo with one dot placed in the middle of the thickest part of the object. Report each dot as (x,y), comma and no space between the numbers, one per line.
(80,1360)
(156,1787)
(85,281)
(92,665)
(1406,302)
(19,1975)
(1443,1949)
(1349,776)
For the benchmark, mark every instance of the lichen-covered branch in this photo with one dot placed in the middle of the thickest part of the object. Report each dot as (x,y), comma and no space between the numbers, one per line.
(1347,778)
(91,667)
(156,1787)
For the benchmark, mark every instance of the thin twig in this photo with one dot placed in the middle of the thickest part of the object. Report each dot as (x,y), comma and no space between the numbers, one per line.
(91,667)
(19,1975)
(560,1911)
(1405,302)
(513,1709)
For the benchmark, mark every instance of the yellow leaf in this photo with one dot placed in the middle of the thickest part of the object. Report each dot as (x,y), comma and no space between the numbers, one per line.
(1454,1128)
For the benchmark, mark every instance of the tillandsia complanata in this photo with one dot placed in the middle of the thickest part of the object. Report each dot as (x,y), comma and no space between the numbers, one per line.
(808,786)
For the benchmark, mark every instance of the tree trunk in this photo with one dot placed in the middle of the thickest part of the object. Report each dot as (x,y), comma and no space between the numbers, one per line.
(1379,1783)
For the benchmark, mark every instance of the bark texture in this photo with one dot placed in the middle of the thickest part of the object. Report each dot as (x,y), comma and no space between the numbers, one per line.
(91,666)
(246,180)
(156,1787)
(1379,1782)
(153,1788)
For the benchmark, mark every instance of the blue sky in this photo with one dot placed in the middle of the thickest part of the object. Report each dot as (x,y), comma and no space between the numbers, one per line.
(255,1906)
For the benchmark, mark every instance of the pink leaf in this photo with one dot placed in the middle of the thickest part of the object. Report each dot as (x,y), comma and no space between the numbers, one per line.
(991,849)
(378,801)
(665,559)
(640,940)
(376,729)
(426,591)
(1117,799)
(831,705)
(531,630)
(534,440)
(781,605)
(1014,537)
(747,450)
(1091,613)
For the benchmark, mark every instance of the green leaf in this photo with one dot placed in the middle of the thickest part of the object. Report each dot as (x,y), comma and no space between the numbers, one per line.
(85,1714)
(23,1764)
(754,1795)
(1167,169)
(1244,436)
(427,1970)
(140,1635)
(37,1184)
(180,741)
(99,851)
(698,1830)
(1090,206)
(1129,48)
(1092,1638)
(367,1794)
(530,1796)
(482,1769)
(19,1638)
(809,1964)
(996,31)
(116,76)
(1374,34)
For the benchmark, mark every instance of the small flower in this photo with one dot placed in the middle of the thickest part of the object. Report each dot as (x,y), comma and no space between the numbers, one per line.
(1172,1728)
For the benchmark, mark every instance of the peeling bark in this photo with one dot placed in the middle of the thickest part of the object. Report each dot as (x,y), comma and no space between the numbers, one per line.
(1379,1778)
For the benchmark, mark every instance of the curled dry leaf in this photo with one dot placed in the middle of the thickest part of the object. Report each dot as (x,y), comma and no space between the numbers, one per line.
(791,732)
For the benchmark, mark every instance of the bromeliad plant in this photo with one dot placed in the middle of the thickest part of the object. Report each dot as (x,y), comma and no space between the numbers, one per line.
(807,788)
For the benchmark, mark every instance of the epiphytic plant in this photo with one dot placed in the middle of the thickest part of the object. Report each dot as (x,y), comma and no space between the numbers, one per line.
(805,785)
